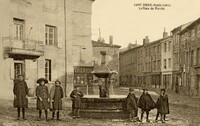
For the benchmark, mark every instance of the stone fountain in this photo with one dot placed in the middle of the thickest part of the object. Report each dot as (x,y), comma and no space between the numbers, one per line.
(104,106)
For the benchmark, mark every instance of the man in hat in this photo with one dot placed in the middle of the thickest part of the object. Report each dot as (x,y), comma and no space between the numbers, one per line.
(20,91)
(76,96)
(162,106)
(146,103)
(43,97)
(131,101)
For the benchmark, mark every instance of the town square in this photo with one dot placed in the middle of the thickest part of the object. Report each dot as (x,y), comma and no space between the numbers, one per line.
(99,63)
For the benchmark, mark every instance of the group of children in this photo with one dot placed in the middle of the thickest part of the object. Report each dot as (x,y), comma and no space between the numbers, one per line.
(45,100)
(146,104)
(53,100)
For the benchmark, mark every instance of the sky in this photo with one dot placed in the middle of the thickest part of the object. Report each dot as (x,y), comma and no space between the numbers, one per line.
(128,24)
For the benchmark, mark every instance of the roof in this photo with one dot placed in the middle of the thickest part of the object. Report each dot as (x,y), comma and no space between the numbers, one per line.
(102,44)
(181,27)
(193,23)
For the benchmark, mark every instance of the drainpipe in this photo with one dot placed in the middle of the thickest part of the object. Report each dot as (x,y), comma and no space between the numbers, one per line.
(65,48)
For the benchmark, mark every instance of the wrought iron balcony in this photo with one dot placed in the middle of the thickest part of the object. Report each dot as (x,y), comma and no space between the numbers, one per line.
(29,48)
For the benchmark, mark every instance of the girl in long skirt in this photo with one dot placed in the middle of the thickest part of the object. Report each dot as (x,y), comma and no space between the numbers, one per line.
(43,97)
(56,94)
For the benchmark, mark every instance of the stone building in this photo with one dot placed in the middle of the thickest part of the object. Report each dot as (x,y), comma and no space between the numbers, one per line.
(129,73)
(177,71)
(40,39)
(140,66)
(190,58)
(166,61)
(152,63)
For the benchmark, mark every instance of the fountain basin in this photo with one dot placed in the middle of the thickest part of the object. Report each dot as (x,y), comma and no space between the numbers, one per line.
(113,107)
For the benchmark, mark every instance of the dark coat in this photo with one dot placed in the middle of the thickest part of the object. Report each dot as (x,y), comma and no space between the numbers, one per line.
(76,98)
(56,95)
(20,90)
(162,104)
(146,103)
(42,92)
(131,102)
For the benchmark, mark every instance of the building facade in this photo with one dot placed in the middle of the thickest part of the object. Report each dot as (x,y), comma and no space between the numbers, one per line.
(38,40)
(190,58)
(166,61)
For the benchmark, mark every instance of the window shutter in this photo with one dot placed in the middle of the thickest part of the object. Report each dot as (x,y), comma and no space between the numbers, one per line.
(56,37)
(12,69)
(54,70)
(41,68)
(27,69)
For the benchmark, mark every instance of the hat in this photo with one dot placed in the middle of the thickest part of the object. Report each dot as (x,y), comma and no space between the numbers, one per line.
(42,79)
(144,89)
(20,75)
(58,81)
(162,89)
(131,89)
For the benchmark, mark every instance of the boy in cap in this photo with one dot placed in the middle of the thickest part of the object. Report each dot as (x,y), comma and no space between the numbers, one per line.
(76,96)
(146,103)
(20,91)
(162,106)
(131,101)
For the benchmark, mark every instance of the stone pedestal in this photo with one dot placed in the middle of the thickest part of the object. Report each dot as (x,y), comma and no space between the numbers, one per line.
(104,108)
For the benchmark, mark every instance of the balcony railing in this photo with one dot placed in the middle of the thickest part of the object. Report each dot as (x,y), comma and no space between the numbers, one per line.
(12,45)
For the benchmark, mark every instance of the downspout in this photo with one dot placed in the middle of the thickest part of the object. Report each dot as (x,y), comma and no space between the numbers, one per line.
(65,48)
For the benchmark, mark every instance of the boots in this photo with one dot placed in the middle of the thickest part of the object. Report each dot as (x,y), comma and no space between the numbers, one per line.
(18,113)
(147,119)
(163,118)
(58,115)
(53,114)
(23,113)
(46,115)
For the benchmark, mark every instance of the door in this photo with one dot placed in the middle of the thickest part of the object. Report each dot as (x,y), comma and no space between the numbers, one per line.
(18,68)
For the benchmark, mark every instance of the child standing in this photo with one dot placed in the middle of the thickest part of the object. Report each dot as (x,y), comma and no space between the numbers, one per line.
(76,96)
(56,94)
(131,100)
(146,103)
(42,94)
(162,105)
(20,91)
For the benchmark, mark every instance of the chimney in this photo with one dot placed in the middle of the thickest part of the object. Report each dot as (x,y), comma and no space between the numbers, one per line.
(165,34)
(145,40)
(111,40)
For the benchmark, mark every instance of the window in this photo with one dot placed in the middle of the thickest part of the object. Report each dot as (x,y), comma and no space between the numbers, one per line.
(154,65)
(158,65)
(169,62)
(19,28)
(154,48)
(198,31)
(158,50)
(165,47)
(48,69)
(198,58)
(192,57)
(193,35)
(18,69)
(169,46)
(50,35)
(165,64)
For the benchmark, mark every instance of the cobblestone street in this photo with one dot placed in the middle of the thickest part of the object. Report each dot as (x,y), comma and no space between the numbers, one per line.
(185,112)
